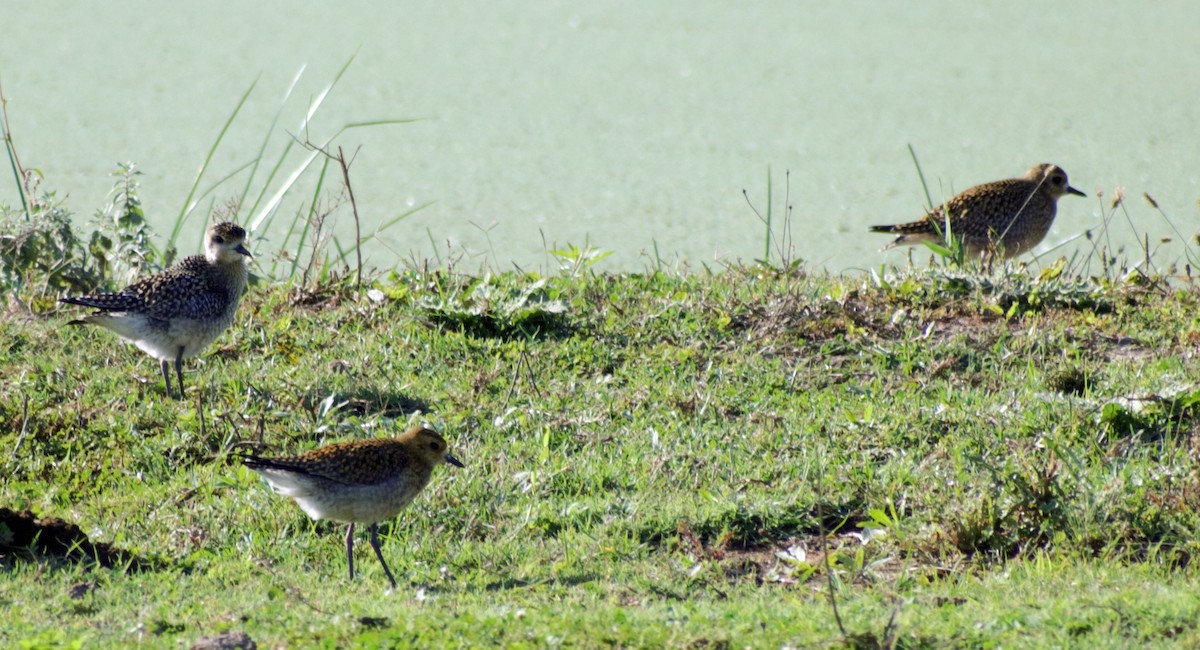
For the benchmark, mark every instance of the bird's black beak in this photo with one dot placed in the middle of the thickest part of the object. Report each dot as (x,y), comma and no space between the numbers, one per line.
(241,248)
(1071,190)
(453,461)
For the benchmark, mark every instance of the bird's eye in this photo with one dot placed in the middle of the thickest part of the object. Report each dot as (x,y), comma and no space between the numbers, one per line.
(434,446)
(1058,180)
(219,239)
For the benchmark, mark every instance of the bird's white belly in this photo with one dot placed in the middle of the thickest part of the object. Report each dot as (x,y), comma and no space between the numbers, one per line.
(364,504)
(164,342)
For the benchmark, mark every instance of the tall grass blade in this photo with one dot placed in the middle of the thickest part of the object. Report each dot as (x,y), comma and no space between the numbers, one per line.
(10,149)
(307,222)
(188,203)
(925,186)
(767,243)
(263,147)
(277,197)
(314,106)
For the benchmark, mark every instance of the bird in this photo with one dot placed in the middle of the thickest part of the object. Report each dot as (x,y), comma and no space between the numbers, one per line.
(1008,217)
(174,314)
(360,481)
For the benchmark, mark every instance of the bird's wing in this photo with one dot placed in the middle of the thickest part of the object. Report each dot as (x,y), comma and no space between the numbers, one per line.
(366,462)
(184,290)
(288,465)
(107,301)
(183,287)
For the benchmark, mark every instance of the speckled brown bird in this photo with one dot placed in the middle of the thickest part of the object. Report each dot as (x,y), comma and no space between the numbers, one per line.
(362,481)
(175,314)
(1009,217)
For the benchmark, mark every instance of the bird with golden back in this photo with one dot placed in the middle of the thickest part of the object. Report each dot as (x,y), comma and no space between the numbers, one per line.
(361,481)
(176,313)
(1004,218)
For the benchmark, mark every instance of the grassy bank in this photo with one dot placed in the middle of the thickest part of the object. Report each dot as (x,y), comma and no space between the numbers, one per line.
(688,461)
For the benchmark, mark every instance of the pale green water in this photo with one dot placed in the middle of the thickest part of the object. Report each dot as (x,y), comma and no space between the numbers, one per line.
(625,123)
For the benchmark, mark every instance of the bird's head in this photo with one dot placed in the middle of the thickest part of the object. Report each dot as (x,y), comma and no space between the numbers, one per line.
(1054,180)
(429,445)
(225,242)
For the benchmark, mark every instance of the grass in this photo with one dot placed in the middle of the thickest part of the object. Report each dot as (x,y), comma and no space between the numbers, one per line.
(652,460)
(756,457)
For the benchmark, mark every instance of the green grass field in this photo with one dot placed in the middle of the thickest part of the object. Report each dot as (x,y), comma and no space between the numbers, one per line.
(653,460)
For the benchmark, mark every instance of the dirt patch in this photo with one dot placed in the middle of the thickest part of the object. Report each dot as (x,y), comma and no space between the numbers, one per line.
(21,532)
(235,640)
(1124,349)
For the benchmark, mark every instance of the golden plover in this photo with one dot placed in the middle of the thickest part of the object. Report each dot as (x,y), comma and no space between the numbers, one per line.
(175,314)
(361,481)
(1009,217)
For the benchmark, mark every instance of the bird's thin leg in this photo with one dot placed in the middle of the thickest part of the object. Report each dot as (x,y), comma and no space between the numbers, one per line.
(167,376)
(179,370)
(379,553)
(350,549)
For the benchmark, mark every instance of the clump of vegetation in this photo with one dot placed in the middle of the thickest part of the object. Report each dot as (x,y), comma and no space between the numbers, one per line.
(122,244)
(498,306)
(41,254)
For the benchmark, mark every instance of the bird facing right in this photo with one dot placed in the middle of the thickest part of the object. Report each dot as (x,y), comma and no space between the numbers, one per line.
(173,315)
(1006,217)
(361,481)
